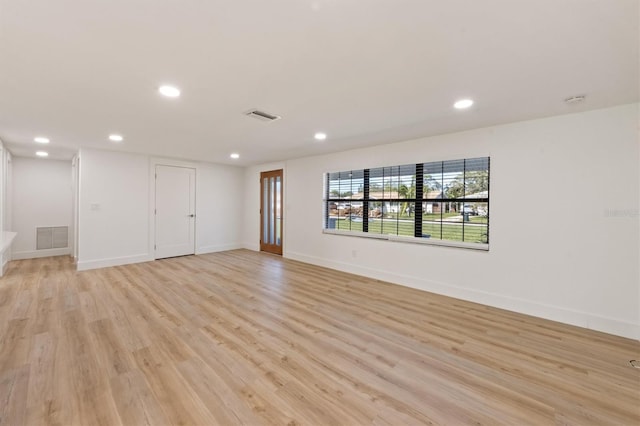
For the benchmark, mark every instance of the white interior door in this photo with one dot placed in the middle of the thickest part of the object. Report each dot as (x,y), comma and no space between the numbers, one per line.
(175,211)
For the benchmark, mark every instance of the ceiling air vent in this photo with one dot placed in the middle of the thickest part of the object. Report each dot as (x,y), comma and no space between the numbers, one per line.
(261,115)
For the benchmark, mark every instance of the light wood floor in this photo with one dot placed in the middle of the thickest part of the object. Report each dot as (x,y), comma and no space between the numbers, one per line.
(248,338)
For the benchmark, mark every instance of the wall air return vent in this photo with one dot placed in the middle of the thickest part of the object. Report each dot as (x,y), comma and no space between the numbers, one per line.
(52,237)
(261,115)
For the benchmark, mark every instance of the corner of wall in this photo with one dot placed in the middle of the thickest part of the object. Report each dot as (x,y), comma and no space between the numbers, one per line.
(251,246)
(217,248)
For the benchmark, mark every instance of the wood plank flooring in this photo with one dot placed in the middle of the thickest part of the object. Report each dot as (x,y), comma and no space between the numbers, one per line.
(247,338)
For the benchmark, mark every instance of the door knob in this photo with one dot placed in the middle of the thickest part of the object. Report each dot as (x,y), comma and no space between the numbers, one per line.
(192,215)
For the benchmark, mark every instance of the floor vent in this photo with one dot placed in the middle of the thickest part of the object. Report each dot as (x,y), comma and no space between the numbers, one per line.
(52,237)
(261,115)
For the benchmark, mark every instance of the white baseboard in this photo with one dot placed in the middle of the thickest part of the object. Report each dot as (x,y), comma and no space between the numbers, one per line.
(223,247)
(554,313)
(34,254)
(84,265)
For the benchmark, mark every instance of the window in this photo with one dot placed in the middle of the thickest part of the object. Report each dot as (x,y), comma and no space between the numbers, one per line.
(437,202)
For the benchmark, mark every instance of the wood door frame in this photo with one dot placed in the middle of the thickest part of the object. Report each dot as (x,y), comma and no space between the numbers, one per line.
(271,248)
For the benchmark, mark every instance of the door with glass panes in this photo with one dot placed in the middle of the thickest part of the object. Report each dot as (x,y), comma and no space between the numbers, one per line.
(271,188)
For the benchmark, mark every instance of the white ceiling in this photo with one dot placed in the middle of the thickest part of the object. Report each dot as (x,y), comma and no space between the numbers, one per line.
(366,72)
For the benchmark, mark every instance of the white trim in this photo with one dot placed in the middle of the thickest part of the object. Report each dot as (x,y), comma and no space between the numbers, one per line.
(5,253)
(405,239)
(550,312)
(35,254)
(355,234)
(114,261)
(217,248)
(7,240)
(435,242)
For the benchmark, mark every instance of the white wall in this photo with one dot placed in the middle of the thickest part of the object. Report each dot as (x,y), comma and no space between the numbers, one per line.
(7,191)
(42,198)
(75,193)
(6,206)
(113,209)
(219,207)
(119,228)
(564,220)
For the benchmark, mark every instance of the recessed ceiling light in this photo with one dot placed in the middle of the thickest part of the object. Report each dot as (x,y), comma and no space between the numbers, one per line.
(169,91)
(42,154)
(463,104)
(235,156)
(320,136)
(116,138)
(41,139)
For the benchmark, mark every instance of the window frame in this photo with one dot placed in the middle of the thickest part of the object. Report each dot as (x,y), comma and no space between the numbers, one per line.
(416,203)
